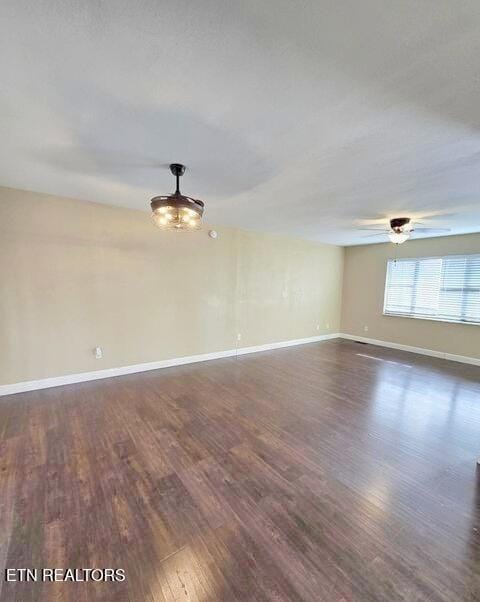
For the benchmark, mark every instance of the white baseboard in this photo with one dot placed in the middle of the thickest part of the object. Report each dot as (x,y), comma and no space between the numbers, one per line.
(68,379)
(443,355)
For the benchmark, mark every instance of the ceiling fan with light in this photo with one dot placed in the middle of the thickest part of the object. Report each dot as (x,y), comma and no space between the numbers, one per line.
(177,211)
(402,227)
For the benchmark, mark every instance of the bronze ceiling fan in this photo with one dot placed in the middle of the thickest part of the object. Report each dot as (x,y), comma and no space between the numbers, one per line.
(177,211)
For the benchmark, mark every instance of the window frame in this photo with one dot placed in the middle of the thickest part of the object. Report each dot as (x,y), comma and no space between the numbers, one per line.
(419,317)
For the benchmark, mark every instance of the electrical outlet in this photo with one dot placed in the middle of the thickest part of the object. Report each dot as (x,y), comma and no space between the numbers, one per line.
(327,326)
(365,328)
(98,353)
(318,326)
(239,337)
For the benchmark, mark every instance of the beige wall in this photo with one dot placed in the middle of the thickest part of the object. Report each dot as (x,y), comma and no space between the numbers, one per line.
(75,275)
(363,292)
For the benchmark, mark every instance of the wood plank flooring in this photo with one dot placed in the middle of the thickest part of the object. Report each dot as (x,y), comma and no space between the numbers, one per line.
(327,472)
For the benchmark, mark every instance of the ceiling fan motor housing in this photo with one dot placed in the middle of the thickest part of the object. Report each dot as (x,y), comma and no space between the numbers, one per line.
(179,201)
(397,224)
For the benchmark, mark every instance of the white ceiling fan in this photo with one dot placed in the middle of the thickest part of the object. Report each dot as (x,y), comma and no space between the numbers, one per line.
(402,227)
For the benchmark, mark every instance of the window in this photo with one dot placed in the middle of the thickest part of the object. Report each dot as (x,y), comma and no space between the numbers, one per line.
(435,288)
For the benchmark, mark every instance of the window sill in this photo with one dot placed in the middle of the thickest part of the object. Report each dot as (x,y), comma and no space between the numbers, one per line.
(395,315)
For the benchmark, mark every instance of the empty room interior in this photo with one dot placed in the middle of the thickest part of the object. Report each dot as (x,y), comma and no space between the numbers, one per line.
(240,301)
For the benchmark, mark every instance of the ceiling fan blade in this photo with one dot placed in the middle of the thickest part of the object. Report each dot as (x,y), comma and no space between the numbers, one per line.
(434,216)
(375,235)
(431,229)
(372,229)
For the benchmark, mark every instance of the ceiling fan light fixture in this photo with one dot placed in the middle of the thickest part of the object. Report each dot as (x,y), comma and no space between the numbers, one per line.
(398,237)
(177,211)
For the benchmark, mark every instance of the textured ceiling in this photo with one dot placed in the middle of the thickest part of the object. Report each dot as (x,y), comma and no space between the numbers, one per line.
(309,118)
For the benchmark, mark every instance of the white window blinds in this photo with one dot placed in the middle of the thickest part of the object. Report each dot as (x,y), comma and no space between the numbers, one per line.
(438,288)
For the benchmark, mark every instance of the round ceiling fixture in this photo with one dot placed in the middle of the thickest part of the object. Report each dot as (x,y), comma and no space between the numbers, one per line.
(398,237)
(176,211)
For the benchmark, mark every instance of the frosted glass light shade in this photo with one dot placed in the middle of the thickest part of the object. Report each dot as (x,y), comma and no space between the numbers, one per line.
(398,237)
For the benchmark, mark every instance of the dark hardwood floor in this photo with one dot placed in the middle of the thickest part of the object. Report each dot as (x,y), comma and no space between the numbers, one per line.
(326,472)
